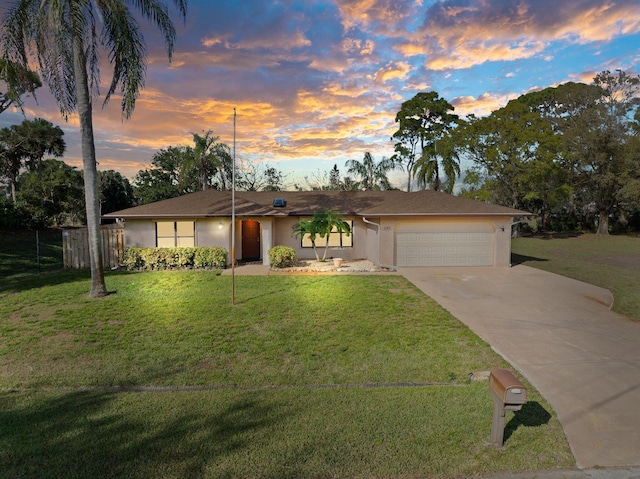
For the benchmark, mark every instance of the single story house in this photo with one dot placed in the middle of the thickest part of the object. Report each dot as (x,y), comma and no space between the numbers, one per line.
(391,228)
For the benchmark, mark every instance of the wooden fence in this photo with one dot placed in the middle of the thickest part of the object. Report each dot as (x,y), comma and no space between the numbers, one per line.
(75,247)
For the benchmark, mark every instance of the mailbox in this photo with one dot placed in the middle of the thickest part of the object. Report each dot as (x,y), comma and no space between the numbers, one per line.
(509,394)
(507,389)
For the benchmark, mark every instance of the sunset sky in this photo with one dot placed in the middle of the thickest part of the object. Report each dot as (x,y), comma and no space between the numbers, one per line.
(318,83)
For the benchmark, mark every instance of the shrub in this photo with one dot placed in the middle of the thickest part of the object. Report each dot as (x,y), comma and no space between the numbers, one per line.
(172,258)
(132,258)
(215,257)
(282,256)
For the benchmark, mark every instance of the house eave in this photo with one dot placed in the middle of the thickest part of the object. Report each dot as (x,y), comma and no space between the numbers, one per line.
(509,214)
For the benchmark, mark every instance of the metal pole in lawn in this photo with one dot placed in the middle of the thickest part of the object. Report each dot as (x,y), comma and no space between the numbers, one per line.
(233,215)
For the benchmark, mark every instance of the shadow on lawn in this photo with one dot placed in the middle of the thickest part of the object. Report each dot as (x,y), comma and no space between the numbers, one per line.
(48,278)
(517,259)
(54,278)
(91,434)
(532,414)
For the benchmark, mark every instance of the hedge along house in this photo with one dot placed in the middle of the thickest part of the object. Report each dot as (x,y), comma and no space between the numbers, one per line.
(391,228)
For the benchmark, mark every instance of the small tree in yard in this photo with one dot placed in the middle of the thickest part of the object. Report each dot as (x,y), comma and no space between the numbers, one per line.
(307,227)
(322,224)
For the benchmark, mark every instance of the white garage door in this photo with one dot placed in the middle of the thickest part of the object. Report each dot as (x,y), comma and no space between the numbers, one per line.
(445,248)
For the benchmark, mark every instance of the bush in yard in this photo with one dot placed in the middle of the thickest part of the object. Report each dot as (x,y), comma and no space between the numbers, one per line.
(132,258)
(174,258)
(185,257)
(215,257)
(282,256)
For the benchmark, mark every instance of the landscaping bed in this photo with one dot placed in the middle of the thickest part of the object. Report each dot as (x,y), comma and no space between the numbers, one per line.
(328,266)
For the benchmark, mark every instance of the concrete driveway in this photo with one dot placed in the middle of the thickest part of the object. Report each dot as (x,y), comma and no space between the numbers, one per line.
(560,334)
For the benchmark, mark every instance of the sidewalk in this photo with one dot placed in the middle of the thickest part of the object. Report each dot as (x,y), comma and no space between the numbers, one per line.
(605,473)
(247,270)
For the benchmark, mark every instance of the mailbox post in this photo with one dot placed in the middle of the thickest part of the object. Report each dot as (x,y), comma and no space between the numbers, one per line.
(509,394)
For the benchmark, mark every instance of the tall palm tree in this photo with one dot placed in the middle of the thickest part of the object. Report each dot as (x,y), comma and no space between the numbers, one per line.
(11,156)
(422,121)
(200,159)
(427,168)
(19,81)
(66,41)
(373,176)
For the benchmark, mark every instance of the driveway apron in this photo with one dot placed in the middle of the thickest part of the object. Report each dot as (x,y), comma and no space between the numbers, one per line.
(560,334)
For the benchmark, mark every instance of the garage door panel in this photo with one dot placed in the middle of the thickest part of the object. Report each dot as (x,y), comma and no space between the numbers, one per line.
(444,248)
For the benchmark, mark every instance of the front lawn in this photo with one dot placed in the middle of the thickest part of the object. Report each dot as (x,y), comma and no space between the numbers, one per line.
(306,376)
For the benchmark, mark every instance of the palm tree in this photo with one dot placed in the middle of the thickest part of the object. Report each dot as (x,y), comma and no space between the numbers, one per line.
(199,161)
(307,227)
(373,176)
(66,41)
(208,163)
(427,168)
(326,222)
(11,157)
(323,223)
(424,119)
(19,81)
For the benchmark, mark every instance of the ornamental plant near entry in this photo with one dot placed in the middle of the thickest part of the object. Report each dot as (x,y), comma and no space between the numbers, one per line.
(323,223)
(282,256)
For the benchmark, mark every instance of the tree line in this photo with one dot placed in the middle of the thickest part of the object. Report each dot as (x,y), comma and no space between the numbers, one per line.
(48,192)
(569,153)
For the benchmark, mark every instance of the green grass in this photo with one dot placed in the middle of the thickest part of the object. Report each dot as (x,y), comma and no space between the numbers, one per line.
(306,376)
(612,262)
(19,254)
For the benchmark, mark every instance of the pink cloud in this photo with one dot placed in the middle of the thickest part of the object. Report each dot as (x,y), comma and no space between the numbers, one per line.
(455,36)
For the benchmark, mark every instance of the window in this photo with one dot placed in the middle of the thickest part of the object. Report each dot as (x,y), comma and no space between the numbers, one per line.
(175,233)
(336,239)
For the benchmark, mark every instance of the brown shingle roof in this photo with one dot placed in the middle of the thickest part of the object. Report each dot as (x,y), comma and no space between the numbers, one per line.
(304,203)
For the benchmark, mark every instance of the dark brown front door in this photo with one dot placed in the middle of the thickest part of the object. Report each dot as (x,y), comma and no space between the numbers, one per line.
(250,240)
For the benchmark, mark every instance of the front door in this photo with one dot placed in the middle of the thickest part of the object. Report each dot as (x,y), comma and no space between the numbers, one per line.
(250,240)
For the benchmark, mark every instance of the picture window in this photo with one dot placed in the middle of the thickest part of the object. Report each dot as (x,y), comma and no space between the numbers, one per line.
(170,234)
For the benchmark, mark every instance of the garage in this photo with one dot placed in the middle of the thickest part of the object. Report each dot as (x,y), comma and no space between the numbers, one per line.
(465,244)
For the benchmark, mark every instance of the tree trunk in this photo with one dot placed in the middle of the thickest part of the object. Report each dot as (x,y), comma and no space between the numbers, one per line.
(603,223)
(91,190)
(12,181)
(436,176)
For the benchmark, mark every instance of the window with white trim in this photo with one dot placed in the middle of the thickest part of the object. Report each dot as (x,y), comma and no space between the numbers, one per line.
(170,234)
(337,239)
